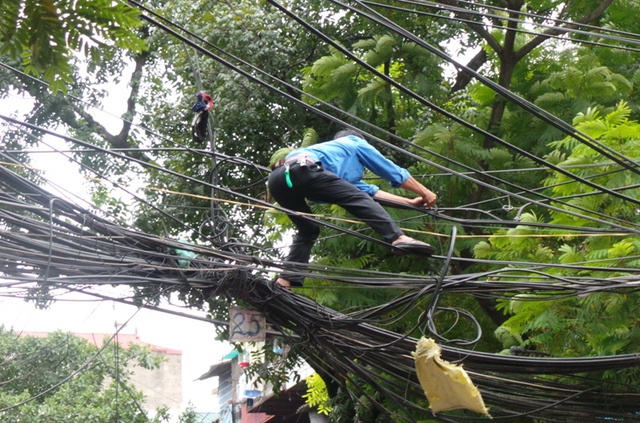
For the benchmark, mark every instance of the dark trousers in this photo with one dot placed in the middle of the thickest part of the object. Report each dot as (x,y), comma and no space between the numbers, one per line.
(316,184)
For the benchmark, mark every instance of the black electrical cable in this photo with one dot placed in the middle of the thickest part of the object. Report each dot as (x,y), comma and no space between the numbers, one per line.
(524,104)
(433,309)
(552,19)
(120,186)
(529,264)
(518,30)
(375,358)
(58,237)
(596,33)
(224,62)
(373,70)
(313,310)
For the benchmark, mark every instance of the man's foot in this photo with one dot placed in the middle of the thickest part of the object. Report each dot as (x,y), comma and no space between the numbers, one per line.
(283,283)
(407,245)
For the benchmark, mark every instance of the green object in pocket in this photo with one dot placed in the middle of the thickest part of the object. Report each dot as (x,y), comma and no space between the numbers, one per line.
(287,176)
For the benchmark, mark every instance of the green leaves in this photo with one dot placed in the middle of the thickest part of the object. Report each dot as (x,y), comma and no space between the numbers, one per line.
(379,49)
(586,79)
(569,254)
(326,65)
(614,130)
(36,372)
(331,77)
(45,33)
(596,323)
(317,396)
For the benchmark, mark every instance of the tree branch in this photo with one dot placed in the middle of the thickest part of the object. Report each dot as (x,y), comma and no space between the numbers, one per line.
(478,28)
(512,26)
(557,31)
(463,78)
(121,140)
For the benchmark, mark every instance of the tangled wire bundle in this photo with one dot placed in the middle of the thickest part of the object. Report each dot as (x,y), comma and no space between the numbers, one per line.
(50,241)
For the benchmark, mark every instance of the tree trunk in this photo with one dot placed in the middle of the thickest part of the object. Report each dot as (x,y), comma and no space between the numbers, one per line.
(508,61)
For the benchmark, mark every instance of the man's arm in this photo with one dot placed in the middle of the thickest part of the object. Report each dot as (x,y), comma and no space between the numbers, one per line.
(427,197)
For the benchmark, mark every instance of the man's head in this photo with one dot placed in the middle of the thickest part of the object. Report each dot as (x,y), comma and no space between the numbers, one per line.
(346,132)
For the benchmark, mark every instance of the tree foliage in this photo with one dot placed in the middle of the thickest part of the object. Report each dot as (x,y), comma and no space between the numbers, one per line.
(599,323)
(45,33)
(316,395)
(62,378)
(256,119)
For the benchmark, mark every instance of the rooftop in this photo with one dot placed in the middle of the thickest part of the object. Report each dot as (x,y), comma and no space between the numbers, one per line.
(124,340)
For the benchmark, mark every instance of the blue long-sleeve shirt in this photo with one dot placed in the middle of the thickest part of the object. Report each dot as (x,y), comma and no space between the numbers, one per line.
(348,157)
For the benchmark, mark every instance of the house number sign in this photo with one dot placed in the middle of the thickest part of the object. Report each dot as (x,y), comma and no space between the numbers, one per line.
(246,325)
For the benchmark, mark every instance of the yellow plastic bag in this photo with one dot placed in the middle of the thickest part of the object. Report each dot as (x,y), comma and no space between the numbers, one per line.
(447,386)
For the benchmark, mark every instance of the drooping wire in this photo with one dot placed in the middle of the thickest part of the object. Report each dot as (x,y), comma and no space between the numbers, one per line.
(433,309)
(560,29)
(357,348)
(218,220)
(231,66)
(597,29)
(377,364)
(524,104)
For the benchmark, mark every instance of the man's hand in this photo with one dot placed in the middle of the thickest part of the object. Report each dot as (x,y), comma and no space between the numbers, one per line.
(429,199)
(422,202)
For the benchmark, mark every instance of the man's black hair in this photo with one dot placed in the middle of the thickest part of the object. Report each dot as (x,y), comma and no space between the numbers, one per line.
(346,132)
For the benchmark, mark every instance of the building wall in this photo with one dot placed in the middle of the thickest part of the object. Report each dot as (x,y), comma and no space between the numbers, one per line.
(162,386)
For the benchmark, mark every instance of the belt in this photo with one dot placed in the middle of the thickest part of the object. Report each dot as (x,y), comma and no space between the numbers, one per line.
(300,158)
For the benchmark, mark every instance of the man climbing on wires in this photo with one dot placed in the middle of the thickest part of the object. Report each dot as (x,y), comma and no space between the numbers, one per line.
(331,172)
